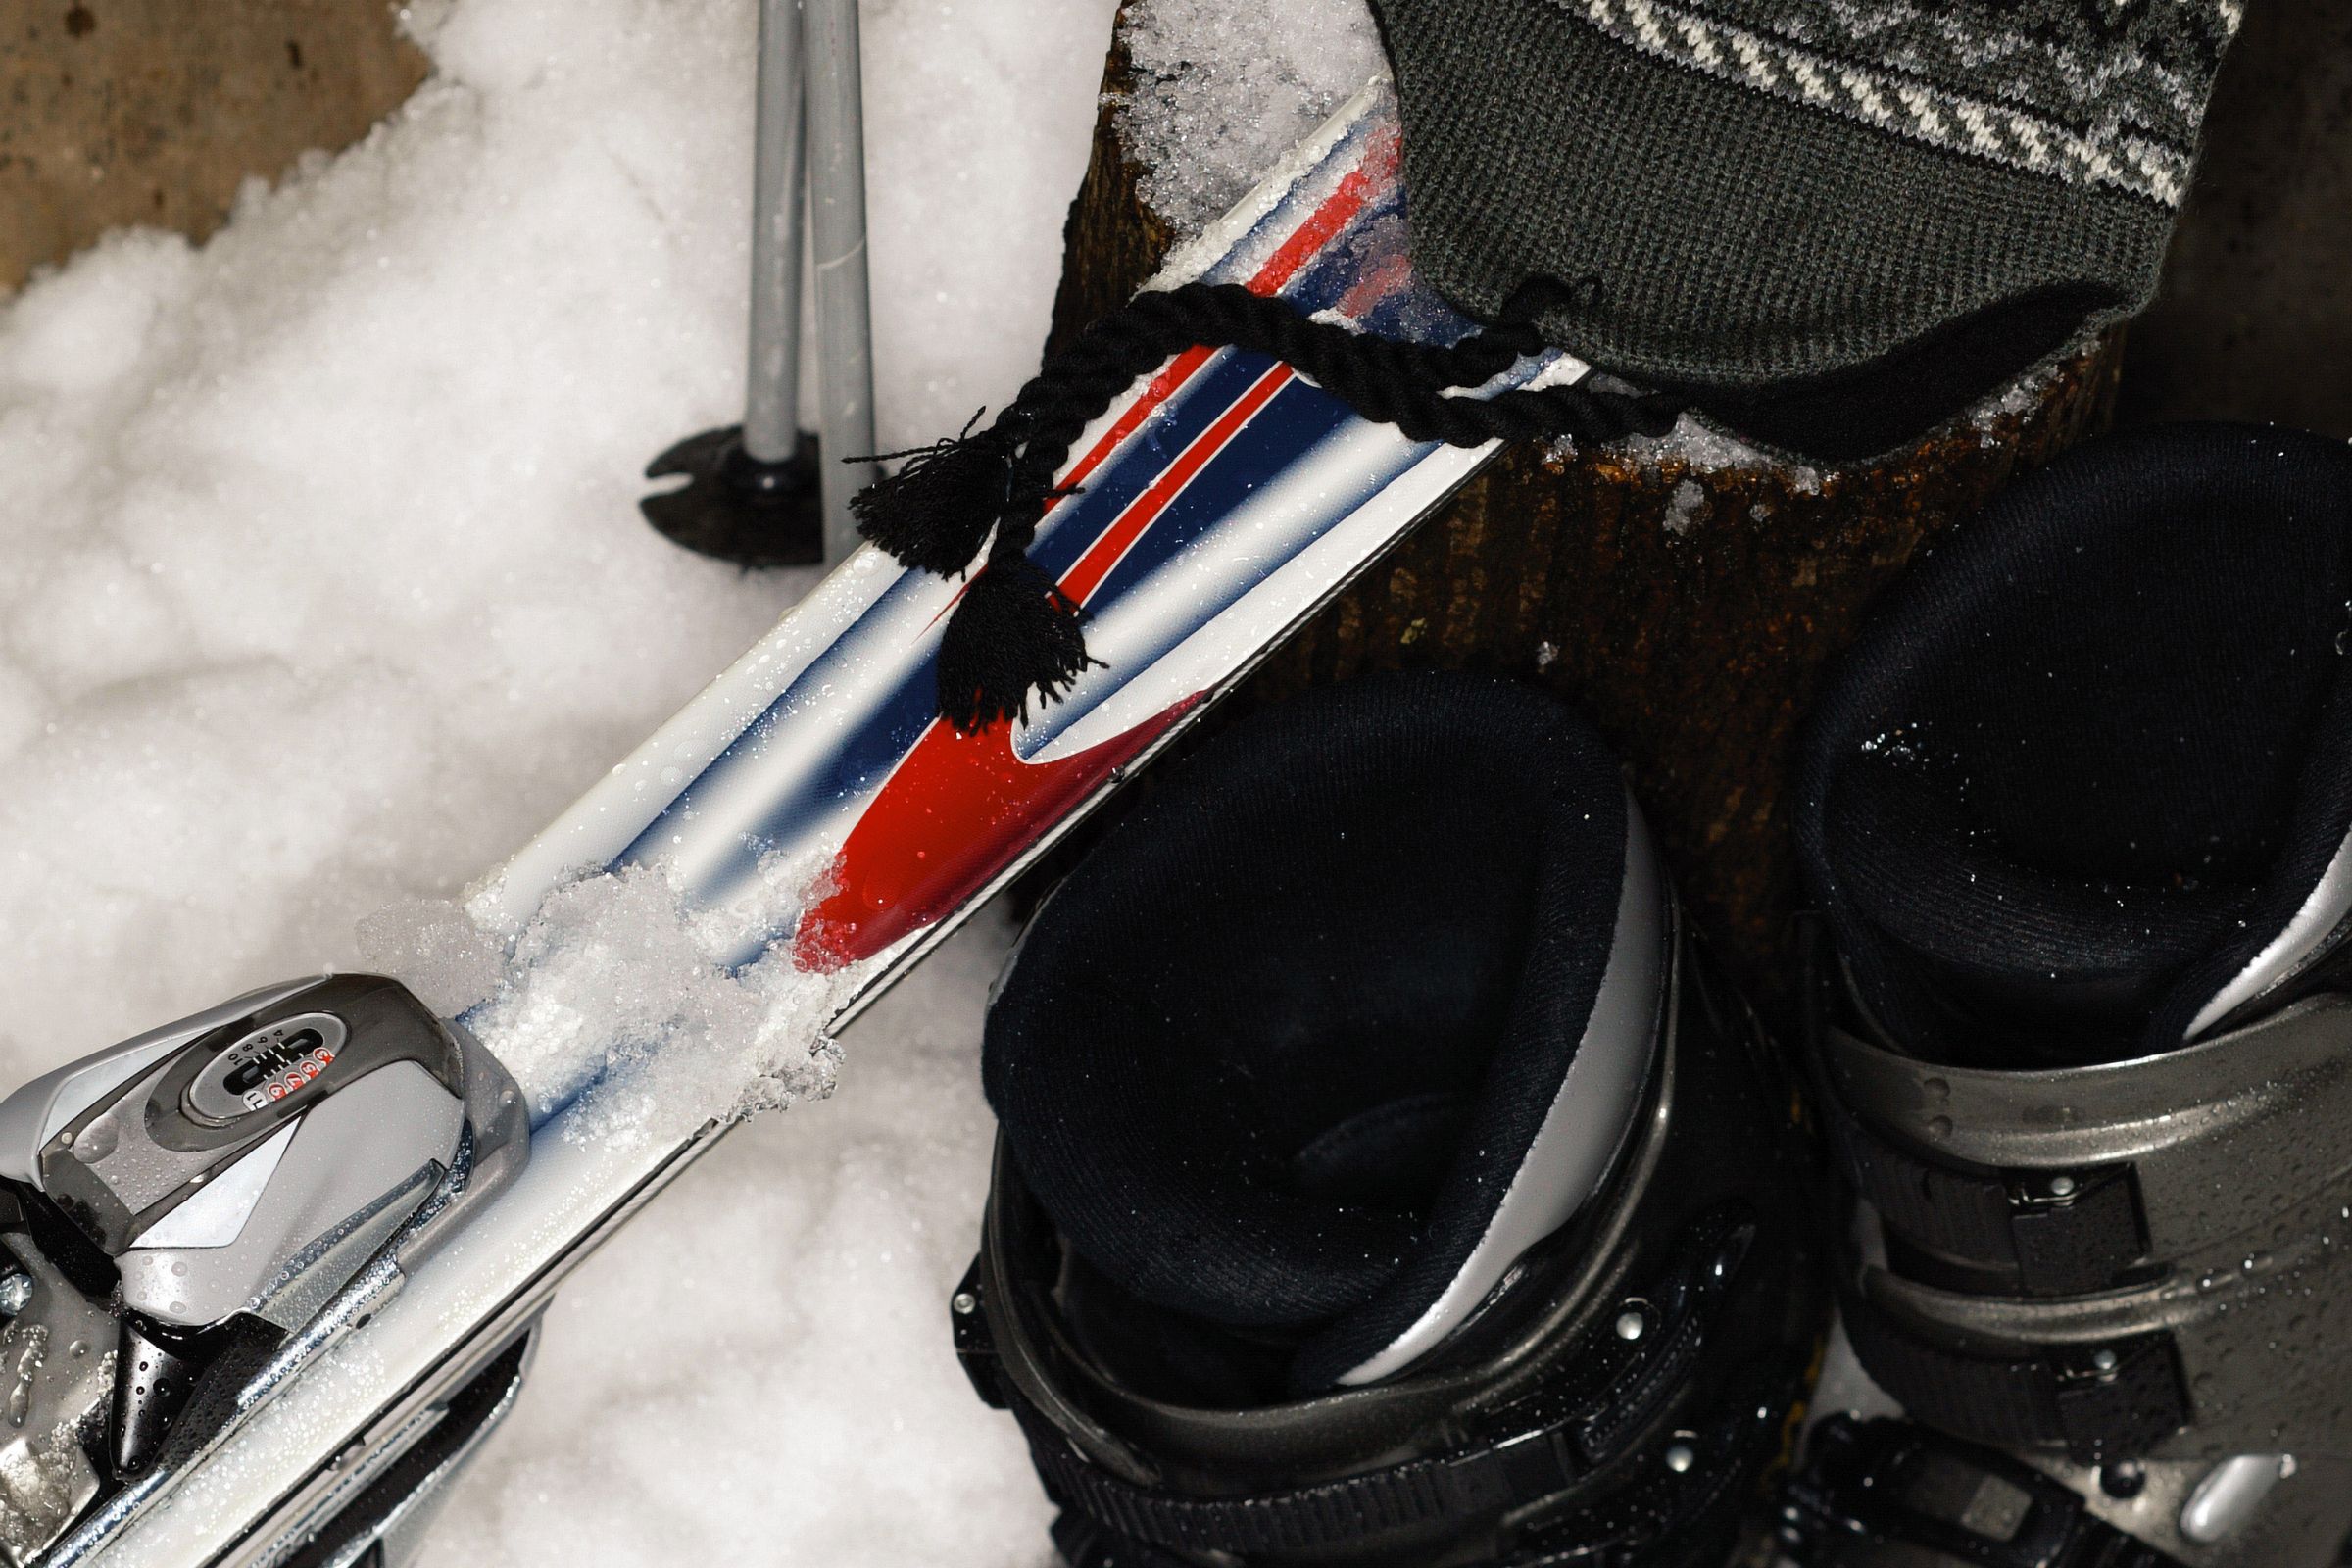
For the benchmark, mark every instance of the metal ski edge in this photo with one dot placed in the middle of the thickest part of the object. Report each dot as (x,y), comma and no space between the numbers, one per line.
(310,1503)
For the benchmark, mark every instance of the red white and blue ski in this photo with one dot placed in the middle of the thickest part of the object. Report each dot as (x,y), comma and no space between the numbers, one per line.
(1218,507)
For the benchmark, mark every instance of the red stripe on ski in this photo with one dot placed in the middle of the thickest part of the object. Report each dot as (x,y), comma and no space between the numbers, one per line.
(1376,168)
(1177,371)
(1106,553)
(1111,545)
(959,809)
(962,808)
(1341,208)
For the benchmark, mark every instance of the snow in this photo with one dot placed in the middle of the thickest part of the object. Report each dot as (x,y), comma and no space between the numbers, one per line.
(613,1003)
(1223,91)
(1684,507)
(759,1369)
(611,999)
(324,586)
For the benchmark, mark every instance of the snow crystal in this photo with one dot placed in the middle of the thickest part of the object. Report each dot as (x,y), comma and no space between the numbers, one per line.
(1222,90)
(1695,447)
(1684,506)
(1692,446)
(436,950)
(2025,394)
(325,587)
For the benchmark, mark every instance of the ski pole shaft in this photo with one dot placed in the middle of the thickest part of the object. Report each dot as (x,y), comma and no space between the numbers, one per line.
(773,376)
(836,231)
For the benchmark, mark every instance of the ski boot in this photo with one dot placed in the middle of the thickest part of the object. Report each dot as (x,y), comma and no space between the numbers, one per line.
(1385,1176)
(2075,812)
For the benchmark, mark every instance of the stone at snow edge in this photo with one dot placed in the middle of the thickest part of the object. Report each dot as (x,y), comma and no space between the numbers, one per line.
(124,113)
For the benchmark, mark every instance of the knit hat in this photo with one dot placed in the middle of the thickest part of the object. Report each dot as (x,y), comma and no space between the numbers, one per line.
(1830,223)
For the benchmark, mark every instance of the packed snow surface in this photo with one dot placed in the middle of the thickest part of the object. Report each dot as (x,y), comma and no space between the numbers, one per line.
(325,587)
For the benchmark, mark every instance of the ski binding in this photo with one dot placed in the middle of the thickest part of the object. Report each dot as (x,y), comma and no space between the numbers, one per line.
(189,1217)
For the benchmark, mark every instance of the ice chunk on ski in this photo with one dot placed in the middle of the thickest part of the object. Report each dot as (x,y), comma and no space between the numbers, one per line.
(615,995)
(618,1007)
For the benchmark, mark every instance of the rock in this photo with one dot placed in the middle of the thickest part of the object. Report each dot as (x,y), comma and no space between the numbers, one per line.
(153,111)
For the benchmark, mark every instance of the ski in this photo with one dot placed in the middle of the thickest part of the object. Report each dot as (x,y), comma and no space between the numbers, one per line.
(1209,514)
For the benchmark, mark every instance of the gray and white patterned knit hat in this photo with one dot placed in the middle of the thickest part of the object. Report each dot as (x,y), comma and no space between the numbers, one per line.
(1832,222)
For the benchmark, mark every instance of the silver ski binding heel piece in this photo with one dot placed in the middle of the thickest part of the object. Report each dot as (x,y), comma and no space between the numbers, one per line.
(189,1217)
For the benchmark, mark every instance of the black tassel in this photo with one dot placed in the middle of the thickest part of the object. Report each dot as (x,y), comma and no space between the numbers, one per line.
(934,513)
(1013,631)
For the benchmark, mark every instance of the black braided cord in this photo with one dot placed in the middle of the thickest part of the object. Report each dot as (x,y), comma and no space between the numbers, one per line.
(1011,634)
(1407,384)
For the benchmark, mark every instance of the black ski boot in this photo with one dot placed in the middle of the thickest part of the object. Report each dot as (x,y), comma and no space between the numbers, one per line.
(1384,1178)
(2075,810)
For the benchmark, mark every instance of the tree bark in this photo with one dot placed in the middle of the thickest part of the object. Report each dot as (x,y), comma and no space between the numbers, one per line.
(1687,611)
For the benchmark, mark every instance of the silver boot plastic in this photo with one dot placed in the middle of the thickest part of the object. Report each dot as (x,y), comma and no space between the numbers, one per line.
(2136,1276)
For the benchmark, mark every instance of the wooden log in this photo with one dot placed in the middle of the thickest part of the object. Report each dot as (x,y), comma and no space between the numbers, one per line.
(1688,607)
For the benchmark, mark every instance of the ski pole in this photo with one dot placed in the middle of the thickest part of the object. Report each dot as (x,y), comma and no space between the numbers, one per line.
(772,402)
(752,491)
(837,230)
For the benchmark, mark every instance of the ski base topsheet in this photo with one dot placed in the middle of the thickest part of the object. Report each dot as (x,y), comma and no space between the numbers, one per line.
(1215,508)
